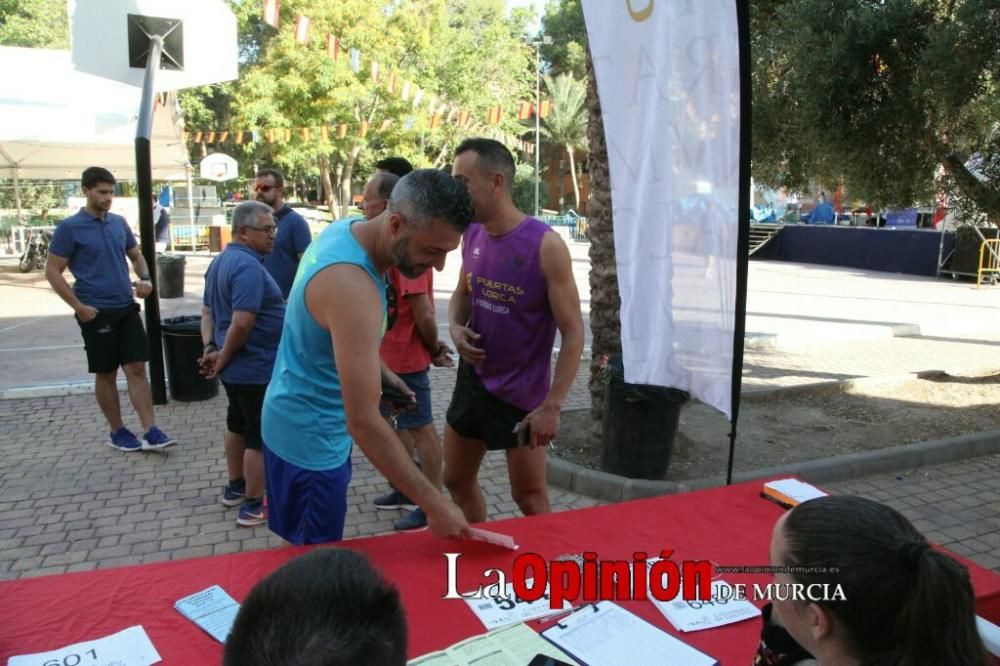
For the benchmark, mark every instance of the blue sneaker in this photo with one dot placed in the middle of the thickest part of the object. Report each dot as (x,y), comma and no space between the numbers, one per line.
(414,521)
(123,440)
(155,439)
(234,494)
(252,513)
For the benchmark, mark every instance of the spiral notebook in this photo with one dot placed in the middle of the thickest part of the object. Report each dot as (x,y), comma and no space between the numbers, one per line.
(605,634)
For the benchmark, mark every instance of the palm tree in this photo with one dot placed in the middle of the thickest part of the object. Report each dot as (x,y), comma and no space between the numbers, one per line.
(605,302)
(566,124)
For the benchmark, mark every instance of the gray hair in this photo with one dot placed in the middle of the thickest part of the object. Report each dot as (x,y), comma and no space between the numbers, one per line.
(246,214)
(425,195)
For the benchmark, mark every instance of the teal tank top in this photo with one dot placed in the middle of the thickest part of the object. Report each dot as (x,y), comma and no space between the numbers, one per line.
(303,420)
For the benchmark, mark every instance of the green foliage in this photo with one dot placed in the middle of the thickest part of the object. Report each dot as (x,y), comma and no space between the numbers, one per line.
(464,52)
(523,191)
(882,93)
(566,125)
(34,24)
(563,22)
(36,196)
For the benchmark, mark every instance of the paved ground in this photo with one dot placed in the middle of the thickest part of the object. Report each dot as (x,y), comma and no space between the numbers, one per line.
(68,503)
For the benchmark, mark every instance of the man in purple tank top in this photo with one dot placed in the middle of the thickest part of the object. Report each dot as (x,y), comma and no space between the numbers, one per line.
(515,289)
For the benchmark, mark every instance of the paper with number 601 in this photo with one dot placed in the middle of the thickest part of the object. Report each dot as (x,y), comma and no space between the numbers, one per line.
(129,647)
(498,611)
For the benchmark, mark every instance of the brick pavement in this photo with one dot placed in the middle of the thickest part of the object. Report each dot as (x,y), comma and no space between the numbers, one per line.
(69,503)
(956,504)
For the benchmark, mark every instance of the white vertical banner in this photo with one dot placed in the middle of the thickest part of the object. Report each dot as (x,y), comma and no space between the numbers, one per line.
(669,81)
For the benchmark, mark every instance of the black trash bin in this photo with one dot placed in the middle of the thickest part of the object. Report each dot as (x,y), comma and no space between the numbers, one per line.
(183,347)
(170,275)
(640,425)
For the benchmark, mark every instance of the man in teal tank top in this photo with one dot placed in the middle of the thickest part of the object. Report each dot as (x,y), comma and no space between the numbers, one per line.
(327,381)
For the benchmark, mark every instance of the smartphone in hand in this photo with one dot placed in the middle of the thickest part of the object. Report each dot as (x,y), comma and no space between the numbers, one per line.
(523,432)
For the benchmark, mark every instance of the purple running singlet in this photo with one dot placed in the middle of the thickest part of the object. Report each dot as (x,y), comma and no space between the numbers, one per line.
(510,310)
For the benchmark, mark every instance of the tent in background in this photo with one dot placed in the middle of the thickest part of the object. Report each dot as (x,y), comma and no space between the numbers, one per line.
(58,121)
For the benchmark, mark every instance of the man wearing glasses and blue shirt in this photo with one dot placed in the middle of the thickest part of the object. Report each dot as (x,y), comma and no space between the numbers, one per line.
(293,235)
(241,319)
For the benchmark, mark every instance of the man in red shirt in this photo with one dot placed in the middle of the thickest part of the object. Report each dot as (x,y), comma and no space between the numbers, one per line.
(409,347)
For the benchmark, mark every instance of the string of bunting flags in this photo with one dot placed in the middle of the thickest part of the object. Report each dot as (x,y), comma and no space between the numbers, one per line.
(326,133)
(440,111)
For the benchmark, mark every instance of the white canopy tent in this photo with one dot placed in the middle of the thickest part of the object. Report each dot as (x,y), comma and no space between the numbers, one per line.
(56,121)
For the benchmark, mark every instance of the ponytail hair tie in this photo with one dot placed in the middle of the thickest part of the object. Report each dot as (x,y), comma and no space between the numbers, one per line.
(909,553)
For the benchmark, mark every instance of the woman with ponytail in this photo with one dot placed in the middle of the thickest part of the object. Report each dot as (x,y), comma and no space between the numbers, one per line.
(903,603)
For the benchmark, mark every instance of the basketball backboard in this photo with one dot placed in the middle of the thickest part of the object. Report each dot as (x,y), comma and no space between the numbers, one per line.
(110,39)
(219,167)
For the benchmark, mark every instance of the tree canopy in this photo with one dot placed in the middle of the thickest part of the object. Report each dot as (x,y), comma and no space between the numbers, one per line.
(563,22)
(892,95)
(34,24)
(463,54)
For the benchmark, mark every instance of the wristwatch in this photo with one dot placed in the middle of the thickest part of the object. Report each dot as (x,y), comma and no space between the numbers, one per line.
(209,347)
(144,277)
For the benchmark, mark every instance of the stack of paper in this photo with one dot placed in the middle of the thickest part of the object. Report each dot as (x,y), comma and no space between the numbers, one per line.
(212,609)
(720,610)
(495,612)
(790,492)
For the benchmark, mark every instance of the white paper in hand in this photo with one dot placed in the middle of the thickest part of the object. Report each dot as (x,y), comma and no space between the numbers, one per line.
(495,538)
(129,647)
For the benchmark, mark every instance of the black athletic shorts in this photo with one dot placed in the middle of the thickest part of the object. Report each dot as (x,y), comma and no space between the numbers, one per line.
(475,413)
(246,402)
(114,338)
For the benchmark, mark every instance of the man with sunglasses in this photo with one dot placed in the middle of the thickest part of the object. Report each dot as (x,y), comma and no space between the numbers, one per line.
(293,235)
(327,382)
(241,319)
(408,349)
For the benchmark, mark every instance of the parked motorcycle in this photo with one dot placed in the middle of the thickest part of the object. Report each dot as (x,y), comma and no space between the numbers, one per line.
(36,251)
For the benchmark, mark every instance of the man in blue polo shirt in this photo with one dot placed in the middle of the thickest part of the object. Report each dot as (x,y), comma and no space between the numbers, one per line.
(93,244)
(241,319)
(293,232)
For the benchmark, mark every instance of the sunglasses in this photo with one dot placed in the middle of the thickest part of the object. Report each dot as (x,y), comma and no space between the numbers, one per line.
(264,188)
(392,305)
(268,229)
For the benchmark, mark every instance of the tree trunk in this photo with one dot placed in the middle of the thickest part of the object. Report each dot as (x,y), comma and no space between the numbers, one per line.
(345,179)
(442,158)
(572,171)
(324,174)
(985,197)
(562,195)
(605,302)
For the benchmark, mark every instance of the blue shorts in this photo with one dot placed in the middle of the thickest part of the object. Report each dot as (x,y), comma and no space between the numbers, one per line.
(304,506)
(420,384)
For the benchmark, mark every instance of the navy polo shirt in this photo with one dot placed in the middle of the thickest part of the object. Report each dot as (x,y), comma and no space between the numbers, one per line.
(237,281)
(96,252)
(293,237)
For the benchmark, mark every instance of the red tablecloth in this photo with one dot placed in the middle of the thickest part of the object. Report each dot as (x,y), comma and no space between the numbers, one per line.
(730,526)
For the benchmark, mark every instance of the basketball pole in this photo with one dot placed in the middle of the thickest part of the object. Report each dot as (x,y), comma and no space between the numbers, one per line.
(147,237)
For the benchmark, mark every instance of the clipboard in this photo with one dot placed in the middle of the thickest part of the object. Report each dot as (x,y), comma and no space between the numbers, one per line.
(605,634)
